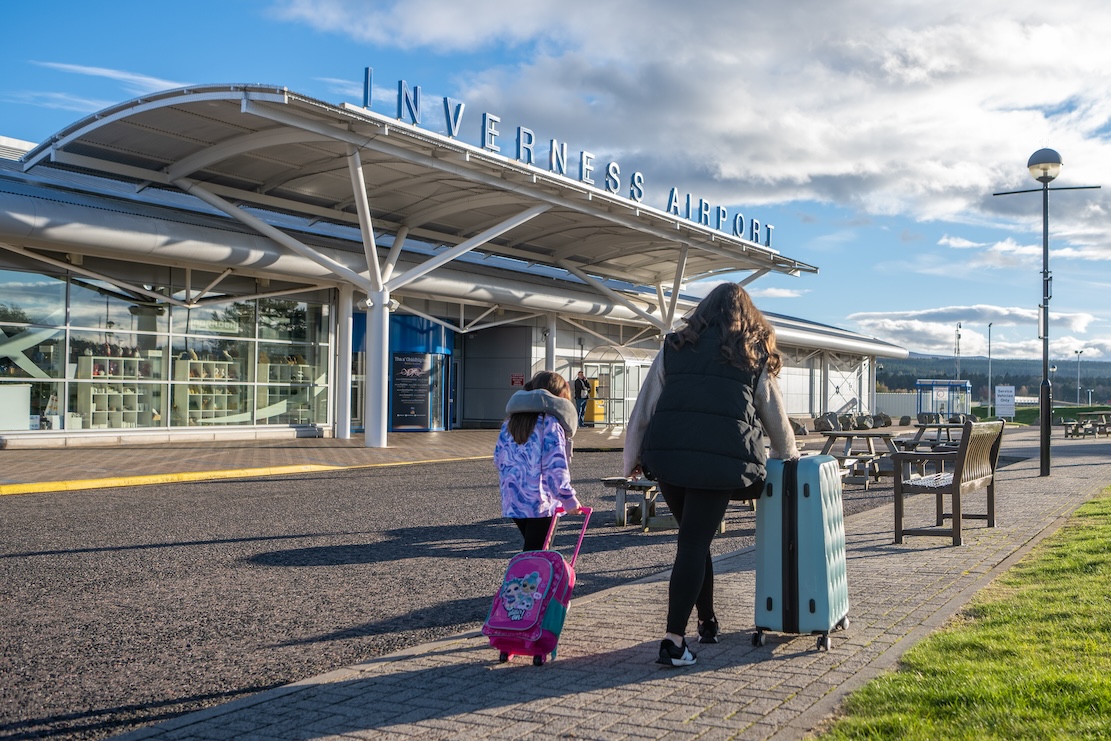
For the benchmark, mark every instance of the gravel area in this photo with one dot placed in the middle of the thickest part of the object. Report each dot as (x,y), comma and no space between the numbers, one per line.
(124,607)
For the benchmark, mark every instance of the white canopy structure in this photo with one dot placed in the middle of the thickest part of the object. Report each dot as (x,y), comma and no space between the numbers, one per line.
(276,162)
(260,181)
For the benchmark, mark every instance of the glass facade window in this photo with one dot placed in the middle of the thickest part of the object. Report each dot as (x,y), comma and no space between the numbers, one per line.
(115,380)
(296,383)
(98,305)
(235,319)
(115,403)
(30,298)
(124,363)
(292,321)
(33,405)
(31,352)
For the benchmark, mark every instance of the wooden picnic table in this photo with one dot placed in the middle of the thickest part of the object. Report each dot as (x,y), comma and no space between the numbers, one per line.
(1088,423)
(642,496)
(860,465)
(942,435)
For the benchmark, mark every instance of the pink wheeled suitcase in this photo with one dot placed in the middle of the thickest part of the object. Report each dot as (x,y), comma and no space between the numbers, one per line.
(529,610)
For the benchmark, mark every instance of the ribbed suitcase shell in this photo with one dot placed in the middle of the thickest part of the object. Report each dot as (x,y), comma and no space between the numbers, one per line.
(801,580)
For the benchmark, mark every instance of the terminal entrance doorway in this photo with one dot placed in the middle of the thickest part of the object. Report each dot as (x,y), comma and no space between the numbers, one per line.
(616,374)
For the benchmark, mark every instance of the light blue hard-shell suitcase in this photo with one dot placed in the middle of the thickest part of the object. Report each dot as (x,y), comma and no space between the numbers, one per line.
(801,583)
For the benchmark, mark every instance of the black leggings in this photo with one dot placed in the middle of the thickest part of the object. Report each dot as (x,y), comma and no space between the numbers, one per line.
(699,513)
(534,530)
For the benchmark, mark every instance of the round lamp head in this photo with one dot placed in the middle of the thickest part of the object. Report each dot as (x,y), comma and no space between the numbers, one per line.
(1044,165)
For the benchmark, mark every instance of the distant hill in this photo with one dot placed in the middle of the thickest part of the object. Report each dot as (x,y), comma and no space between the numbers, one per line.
(1024,374)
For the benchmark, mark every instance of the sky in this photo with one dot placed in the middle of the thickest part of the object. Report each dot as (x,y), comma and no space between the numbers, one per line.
(871,135)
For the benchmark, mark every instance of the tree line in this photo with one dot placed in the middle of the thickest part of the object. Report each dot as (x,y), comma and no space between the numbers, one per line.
(1024,375)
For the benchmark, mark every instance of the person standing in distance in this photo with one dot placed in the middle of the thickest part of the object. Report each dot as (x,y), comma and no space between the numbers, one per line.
(698,428)
(582,395)
(531,456)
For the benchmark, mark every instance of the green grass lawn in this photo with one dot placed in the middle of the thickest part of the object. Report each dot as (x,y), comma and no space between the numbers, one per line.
(1030,415)
(1029,658)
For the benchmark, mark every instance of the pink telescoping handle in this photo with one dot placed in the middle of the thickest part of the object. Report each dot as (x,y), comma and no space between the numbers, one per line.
(586,512)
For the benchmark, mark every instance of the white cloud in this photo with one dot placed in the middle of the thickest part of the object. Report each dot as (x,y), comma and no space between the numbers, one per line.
(419,23)
(958,243)
(935,330)
(133,82)
(347,88)
(61,102)
(776,293)
(921,110)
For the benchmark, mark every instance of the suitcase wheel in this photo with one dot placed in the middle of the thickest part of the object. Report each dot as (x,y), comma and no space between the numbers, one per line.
(844,624)
(824,642)
(503,656)
(758,638)
(538,660)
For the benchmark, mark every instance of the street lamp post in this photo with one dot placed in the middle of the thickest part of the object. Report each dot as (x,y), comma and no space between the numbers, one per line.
(1078,353)
(991,391)
(1044,166)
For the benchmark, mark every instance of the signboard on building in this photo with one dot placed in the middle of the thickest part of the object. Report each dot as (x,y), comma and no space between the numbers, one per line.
(516,379)
(410,393)
(1005,401)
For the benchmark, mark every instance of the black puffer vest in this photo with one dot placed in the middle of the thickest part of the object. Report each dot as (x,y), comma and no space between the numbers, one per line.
(704,432)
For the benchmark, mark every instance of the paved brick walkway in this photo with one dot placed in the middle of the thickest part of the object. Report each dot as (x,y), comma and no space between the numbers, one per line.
(605,685)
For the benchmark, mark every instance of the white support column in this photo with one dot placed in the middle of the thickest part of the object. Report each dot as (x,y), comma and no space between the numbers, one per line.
(341,388)
(550,343)
(677,284)
(362,206)
(870,390)
(755,274)
(443,258)
(260,226)
(395,252)
(825,383)
(377,385)
(614,296)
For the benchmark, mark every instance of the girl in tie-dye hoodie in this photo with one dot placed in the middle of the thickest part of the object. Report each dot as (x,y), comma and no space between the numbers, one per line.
(532,453)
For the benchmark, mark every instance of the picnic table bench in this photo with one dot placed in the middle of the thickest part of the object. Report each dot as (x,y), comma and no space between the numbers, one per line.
(1088,423)
(859,465)
(640,495)
(972,464)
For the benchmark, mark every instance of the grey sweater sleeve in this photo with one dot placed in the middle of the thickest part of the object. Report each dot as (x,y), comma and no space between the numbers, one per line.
(773,415)
(642,412)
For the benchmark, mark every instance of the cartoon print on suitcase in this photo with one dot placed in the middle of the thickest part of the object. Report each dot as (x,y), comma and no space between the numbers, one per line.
(801,575)
(528,611)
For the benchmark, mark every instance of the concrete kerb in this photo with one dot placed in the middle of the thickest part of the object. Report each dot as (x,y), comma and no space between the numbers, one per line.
(213,475)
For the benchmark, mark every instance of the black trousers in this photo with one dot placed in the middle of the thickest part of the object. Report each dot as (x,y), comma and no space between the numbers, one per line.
(534,530)
(699,513)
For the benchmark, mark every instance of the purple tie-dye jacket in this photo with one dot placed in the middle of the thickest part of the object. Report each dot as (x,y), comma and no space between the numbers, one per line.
(534,479)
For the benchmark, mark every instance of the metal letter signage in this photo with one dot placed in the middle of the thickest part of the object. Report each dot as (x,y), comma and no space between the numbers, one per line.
(697,210)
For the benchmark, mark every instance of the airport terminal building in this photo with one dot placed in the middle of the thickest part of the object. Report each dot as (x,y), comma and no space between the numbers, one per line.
(243,261)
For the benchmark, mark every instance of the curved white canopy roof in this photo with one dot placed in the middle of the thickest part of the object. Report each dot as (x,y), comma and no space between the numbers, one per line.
(273,149)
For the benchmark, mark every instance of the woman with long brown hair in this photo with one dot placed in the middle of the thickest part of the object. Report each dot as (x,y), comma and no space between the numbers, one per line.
(698,428)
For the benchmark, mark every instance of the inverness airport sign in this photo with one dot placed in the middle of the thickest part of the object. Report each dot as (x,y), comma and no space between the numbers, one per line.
(490,133)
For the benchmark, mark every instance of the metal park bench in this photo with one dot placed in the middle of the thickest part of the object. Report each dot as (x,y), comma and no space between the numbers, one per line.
(973,465)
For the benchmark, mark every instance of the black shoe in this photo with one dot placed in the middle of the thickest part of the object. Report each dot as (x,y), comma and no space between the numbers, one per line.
(672,655)
(708,631)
